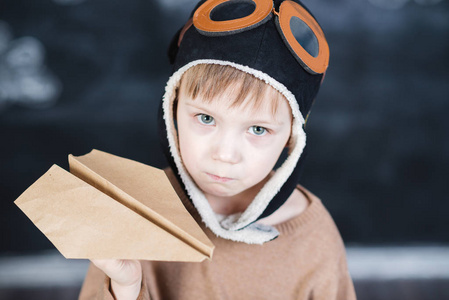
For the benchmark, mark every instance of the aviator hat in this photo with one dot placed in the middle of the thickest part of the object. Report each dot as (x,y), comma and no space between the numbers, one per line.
(279,42)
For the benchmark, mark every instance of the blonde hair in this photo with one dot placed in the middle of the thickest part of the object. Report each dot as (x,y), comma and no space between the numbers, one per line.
(210,80)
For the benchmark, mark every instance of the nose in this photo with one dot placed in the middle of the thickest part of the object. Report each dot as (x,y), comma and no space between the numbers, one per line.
(227,149)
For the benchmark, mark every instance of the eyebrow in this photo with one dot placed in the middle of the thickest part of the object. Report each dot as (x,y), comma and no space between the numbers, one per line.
(271,122)
(191,104)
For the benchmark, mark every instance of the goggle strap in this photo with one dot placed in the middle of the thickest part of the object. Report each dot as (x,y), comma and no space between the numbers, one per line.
(186,27)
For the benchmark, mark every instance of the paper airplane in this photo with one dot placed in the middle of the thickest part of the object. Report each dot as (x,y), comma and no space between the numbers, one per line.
(112,207)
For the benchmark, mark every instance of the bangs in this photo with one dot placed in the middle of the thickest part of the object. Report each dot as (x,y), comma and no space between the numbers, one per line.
(208,81)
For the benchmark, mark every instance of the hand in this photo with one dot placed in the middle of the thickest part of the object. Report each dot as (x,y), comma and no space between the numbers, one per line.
(126,276)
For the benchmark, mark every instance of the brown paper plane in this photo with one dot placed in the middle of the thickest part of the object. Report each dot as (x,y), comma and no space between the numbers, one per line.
(112,207)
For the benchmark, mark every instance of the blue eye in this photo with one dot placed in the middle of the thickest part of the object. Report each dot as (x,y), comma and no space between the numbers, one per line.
(205,119)
(257,130)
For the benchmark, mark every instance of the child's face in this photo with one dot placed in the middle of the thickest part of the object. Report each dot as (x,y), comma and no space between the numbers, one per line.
(229,150)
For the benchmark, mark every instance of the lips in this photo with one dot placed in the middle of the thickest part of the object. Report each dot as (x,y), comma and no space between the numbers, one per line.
(218,178)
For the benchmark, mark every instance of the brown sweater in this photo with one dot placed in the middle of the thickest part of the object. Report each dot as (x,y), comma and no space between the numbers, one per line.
(307,261)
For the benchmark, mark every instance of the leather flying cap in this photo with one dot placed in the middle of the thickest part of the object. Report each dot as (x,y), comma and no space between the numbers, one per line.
(262,50)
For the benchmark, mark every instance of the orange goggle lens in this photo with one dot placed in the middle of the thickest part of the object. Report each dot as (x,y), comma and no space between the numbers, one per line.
(304,37)
(299,30)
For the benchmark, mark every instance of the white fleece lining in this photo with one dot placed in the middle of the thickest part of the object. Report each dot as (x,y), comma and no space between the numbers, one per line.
(236,227)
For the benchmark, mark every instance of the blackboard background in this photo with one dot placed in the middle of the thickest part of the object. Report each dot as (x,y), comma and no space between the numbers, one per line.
(378,133)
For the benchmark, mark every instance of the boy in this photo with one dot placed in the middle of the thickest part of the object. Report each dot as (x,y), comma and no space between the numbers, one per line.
(246,74)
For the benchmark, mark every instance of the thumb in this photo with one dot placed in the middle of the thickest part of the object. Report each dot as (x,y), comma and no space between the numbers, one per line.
(123,272)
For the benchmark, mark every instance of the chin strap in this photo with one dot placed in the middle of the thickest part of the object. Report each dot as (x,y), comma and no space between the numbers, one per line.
(287,189)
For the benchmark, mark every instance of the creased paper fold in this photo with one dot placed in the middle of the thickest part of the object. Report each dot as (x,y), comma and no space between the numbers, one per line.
(112,207)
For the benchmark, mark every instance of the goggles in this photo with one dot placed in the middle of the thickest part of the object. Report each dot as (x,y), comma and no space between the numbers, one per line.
(299,30)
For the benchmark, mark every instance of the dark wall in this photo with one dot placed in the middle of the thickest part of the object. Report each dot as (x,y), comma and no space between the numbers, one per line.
(380,129)
(77,75)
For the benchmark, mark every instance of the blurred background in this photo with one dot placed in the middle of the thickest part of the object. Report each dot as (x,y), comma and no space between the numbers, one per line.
(82,74)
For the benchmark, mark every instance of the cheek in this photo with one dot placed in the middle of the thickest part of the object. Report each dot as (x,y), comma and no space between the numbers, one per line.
(190,149)
(187,147)
(264,158)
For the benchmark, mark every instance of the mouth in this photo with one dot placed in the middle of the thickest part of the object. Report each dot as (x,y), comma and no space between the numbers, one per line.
(218,178)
